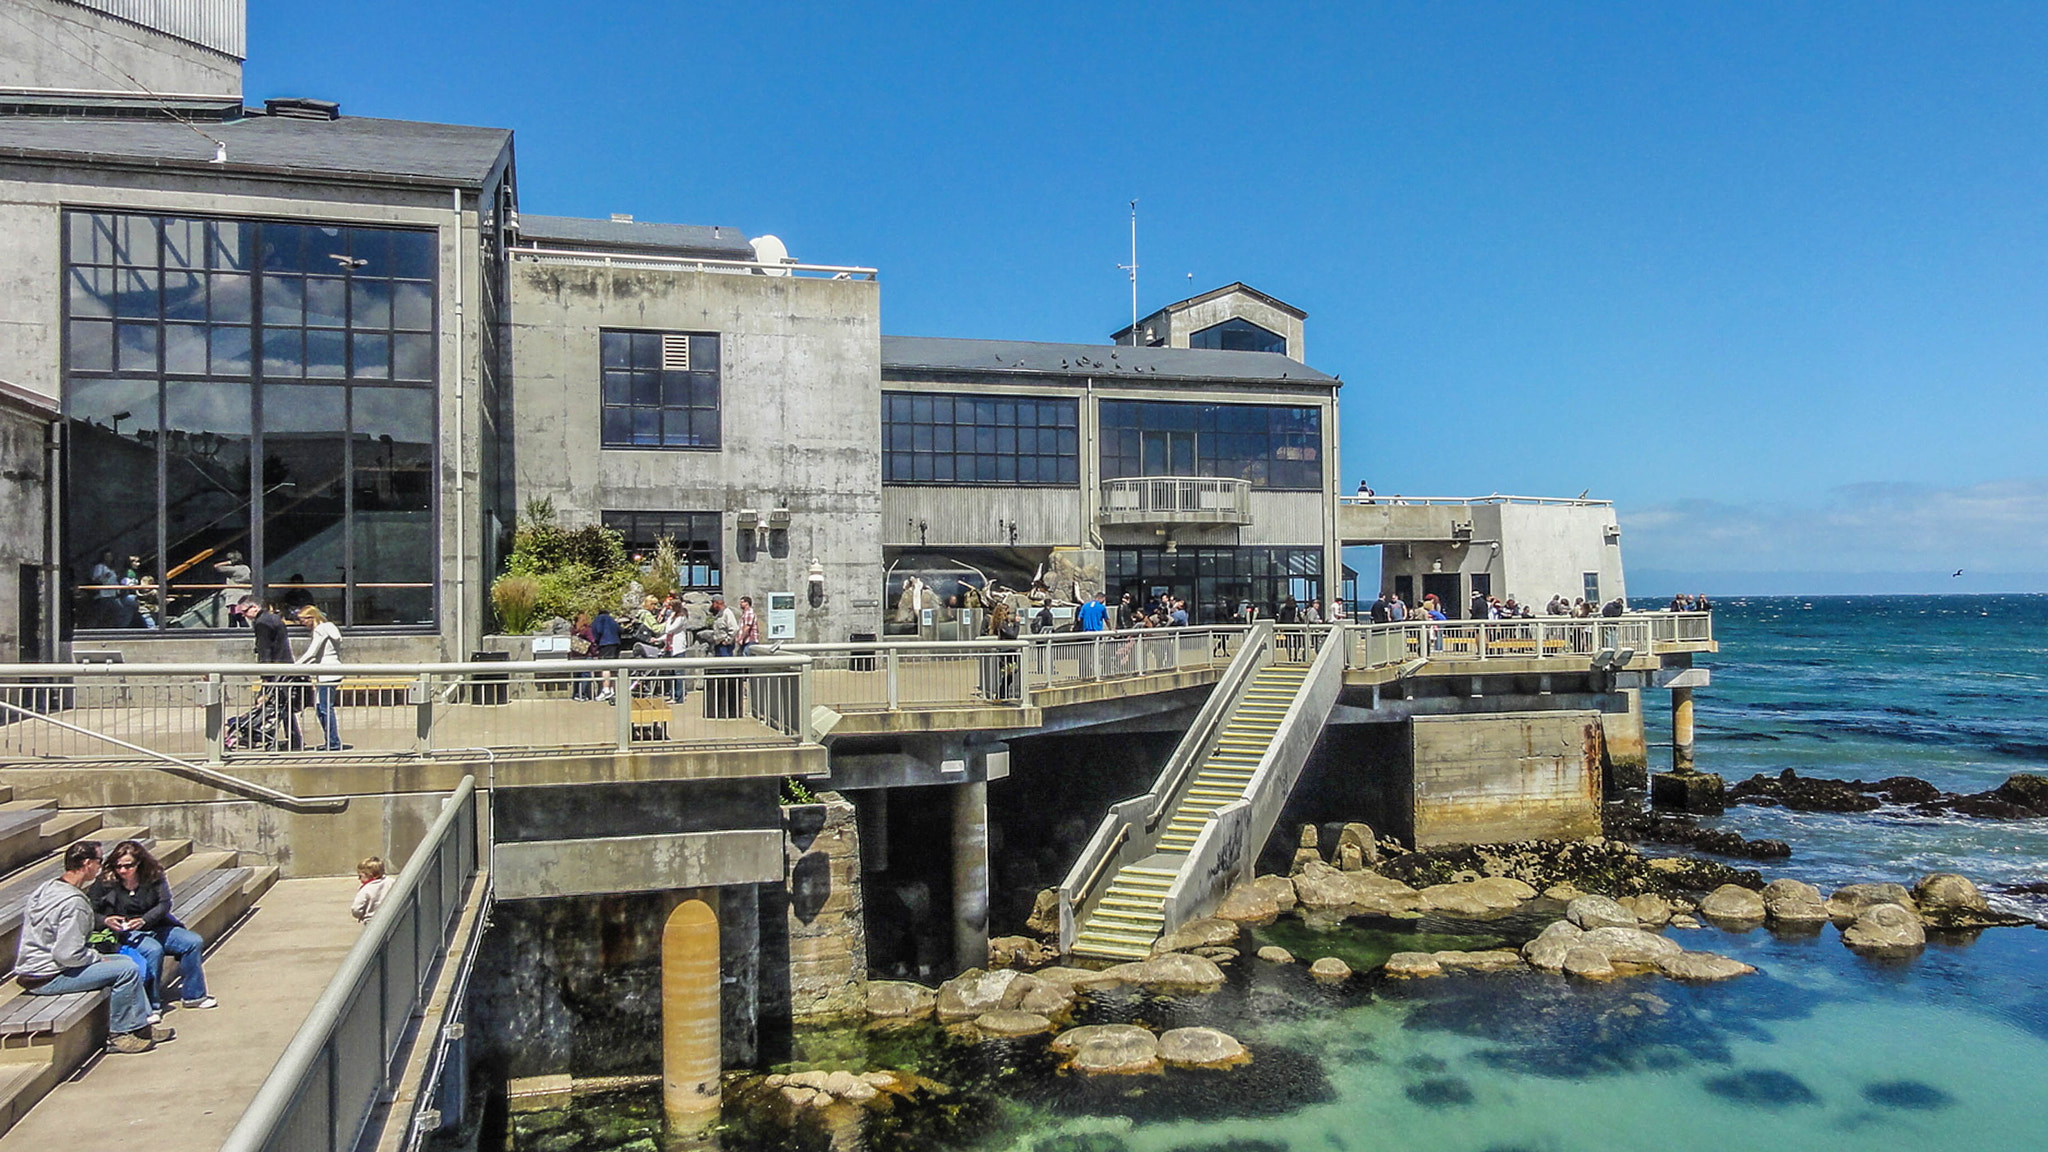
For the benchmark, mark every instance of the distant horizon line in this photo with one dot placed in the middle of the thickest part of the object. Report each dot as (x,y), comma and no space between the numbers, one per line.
(1821,583)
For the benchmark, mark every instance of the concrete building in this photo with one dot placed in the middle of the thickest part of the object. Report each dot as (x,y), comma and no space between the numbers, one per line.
(53,51)
(1526,548)
(1235,318)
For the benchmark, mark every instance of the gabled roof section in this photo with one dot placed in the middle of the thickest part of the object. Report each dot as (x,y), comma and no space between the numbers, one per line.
(349,149)
(1101,361)
(716,241)
(1238,287)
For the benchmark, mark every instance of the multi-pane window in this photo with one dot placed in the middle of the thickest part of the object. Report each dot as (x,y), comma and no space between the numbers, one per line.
(696,535)
(659,389)
(929,439)
(1217,582)
(1239,335)
(251,408)
(1269,445)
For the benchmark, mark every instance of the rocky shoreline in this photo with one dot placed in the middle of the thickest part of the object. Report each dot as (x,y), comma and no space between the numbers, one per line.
(2023,796)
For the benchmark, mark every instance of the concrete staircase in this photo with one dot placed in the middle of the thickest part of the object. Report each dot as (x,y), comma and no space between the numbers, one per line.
(1129,917)
(44,1039)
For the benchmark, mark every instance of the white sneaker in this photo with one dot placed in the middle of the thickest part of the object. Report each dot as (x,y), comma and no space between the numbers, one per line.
(156,1017)
(206,1002)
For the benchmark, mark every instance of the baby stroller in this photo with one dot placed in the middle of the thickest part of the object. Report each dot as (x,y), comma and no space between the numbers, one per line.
(270,724)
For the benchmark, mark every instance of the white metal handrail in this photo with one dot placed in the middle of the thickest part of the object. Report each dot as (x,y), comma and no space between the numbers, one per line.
(589,258)
(1183,499)
(1398,499)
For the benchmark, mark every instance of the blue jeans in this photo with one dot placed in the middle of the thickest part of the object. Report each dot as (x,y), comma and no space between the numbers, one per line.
(128,1009)
(182,943)
(323,708)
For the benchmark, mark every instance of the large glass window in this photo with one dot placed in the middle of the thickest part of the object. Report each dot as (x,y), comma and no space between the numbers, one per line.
(696,535)
(251,406)
(1218,582)
(930,439)
(659,389)
(1239,335)
(1271,446)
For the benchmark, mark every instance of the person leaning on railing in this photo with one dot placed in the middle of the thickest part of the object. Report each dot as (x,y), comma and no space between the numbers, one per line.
(54,957)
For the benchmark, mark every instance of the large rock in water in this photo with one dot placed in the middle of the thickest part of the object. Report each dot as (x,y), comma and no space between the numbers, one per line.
(1599,912)
(1200,1047)
(1360,836)
(1733,902)
(1109,1048)
(1947,900)
(1330,968)
(975,992)
(1280,888)
(1851,901)
(1011,1022)
(1788,901)
(1652,911)
(1885,928)
(1588,963)
(1170,970)
(1249,904)
(1629,945)
(1208,932)
(900,1000)
(1548,949)
(1701,966)
(1318,886)
(1019,952)
(1491,960)
(1413,964)
(1045,915)
(1482,897)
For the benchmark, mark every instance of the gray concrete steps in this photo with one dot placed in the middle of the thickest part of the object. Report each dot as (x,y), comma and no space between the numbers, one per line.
(44,1040)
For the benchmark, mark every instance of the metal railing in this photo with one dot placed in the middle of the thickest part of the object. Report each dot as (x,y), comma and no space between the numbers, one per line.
(1539,638)
(593,259)
(1398,499)
(1060,659)
(1682,627)
(1176,500)
(340,1063)
(213,713)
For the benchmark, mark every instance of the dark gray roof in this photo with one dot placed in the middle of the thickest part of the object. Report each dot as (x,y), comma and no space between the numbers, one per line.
(348,148)
(945,354)
(696,239)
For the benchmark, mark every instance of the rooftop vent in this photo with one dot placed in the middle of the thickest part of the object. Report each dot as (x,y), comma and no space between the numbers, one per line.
(622,217)
(300,108)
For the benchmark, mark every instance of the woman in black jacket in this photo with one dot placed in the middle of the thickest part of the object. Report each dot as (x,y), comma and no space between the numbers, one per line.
(133,898)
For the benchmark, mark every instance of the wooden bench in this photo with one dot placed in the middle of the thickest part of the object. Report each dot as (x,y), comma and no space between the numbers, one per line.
(651,715)
(30,1015)
(372,691)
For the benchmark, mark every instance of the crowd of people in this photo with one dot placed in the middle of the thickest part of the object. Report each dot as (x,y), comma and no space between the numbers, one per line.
(660,628)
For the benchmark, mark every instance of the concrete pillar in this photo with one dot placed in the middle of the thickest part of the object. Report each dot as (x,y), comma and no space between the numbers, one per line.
(1681,730)
(970,876)
(689,1017)
(739,974)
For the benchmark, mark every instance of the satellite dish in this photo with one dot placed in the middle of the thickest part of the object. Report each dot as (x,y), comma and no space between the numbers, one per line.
(770,251)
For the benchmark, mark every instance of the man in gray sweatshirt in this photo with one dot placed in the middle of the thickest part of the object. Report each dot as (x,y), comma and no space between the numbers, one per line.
(53,957)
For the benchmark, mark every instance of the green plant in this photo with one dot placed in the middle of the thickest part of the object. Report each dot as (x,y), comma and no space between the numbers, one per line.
(794,791)
(516,598)
(571,570)
(663,573)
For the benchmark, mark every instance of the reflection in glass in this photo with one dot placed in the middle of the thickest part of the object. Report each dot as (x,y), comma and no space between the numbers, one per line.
(110,491)
(304,499)
(206,446)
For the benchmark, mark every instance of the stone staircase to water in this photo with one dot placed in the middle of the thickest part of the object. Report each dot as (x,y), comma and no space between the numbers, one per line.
(44,1039)
(1129,917)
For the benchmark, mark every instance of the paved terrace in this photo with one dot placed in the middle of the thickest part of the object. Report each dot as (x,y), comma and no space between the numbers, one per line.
(208,722)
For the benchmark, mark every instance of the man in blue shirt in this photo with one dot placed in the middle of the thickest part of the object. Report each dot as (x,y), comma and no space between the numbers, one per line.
(604,632)
(1094,615)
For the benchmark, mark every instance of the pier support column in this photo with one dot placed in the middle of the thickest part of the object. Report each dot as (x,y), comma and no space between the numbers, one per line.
(690,1054)
(970,876)
(1681,730)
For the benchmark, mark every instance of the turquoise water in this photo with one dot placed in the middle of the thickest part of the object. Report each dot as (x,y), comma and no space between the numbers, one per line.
(1822,1049)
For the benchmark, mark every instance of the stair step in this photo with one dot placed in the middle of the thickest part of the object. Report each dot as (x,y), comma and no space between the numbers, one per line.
(1135,870)
(1101,935)
(65,828)
(1132,907)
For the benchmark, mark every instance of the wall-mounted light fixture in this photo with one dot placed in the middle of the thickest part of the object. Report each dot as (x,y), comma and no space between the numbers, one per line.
(816,579)
(1436,565)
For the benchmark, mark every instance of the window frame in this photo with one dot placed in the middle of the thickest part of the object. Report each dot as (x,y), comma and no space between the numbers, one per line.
(624,521)
(1222,432)
(919,448)
(659,411)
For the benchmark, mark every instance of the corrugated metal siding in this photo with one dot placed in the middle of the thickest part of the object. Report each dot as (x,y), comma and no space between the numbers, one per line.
(221,25)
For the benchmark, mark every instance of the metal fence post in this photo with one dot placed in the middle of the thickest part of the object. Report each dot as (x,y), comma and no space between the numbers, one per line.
(800,724)
(421,695)
(216,719)
(895,687)
(622,705)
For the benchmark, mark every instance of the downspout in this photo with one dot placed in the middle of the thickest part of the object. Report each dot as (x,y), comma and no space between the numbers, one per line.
(1091,466)
(461,447)
(53,608)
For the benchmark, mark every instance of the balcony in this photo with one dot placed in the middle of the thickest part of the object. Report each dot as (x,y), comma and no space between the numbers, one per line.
(1166,500)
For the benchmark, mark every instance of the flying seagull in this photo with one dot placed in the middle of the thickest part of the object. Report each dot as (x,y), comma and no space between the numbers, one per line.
(1956,573)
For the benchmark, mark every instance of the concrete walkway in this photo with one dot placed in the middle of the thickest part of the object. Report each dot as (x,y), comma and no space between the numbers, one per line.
(187,1094)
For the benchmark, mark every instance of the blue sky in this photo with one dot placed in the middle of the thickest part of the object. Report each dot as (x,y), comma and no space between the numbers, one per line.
(1772,277)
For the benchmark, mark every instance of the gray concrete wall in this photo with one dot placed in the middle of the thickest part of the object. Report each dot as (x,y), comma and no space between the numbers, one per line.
(22,519)
(1185,323)
(1518,776)
(32,199)
(53,44)
(963,515)
(800,419)
(1549,548)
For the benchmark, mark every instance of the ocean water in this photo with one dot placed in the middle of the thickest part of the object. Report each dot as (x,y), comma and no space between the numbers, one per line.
(1823,1049)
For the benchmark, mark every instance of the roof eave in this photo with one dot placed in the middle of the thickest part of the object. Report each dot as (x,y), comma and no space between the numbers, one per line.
(278,171)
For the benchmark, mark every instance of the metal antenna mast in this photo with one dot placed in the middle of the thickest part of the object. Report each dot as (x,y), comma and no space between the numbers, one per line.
(1132,268)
